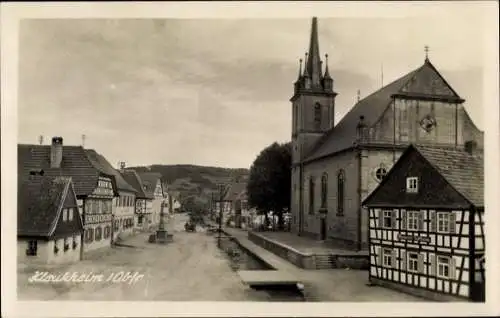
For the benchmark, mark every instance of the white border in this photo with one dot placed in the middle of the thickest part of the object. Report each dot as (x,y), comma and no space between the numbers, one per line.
(12,12)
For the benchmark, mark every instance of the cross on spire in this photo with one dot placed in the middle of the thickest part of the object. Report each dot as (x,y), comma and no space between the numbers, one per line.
(426,49)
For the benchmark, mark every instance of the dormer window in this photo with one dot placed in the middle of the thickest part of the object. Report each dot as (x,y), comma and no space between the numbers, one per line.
(412,185)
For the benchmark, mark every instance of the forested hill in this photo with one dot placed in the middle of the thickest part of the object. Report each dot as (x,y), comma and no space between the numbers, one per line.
(195,182)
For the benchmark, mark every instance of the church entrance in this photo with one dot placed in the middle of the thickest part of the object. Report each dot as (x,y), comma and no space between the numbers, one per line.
(323,229)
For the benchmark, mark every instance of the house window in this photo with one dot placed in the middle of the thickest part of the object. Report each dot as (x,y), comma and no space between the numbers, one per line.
(66,244)
(443,267)
(412,185)
(311,195)
(443,220)
(387,219)
(56,248)
(32,248)
(70,214)
(340,192)
(65,215)
(324,190)
(75,244)
(98,233)
(317,116)
(139,219)
(387,257)
(413,262)
(413,220)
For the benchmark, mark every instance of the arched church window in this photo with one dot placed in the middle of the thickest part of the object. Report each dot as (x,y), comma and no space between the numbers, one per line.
(317,116)
(311,195)
(340,192)
(324,190)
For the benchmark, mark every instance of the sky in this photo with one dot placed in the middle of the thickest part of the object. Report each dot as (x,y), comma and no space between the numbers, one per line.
(215,92)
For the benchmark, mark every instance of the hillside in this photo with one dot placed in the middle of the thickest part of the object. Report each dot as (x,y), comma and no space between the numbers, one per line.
(194,183)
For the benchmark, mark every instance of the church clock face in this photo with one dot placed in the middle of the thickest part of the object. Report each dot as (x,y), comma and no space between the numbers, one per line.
(428,123)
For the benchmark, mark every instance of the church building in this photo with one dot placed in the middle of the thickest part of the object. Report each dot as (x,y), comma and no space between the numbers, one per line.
(335,167)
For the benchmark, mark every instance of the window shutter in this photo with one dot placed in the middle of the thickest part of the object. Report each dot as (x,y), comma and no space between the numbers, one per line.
(433,264)
(452,268)
(394,218)
(394,258)
(380,218)
(420,263)
(452,220)
(403,261)
(433,220)
(421,220)
(403,219)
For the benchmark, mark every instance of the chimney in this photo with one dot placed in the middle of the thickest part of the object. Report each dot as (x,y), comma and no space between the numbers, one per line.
(56,152)
(471,146)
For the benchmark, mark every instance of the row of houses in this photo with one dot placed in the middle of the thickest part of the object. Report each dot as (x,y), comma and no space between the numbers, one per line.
(234,205)
(71,201)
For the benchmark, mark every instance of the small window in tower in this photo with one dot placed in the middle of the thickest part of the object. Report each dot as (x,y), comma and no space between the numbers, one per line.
(317,116)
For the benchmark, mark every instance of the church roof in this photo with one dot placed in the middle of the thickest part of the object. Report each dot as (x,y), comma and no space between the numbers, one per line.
(424,81)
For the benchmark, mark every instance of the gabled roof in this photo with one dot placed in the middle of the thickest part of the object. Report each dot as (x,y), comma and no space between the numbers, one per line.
(40,200)
(74,164)
(149,181)
(464,171)
(135,181)
(99,161)
(234,191)
(418,83)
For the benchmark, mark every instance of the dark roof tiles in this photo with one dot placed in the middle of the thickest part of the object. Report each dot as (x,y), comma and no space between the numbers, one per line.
(39,202)
(464,171)
(74,164)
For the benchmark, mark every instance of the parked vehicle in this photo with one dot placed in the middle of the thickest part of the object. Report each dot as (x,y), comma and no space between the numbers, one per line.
(190,226)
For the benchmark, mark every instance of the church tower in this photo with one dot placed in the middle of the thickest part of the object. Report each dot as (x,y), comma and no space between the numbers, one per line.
(313,105)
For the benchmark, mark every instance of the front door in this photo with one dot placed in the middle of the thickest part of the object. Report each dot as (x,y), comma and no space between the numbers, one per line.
(323,229)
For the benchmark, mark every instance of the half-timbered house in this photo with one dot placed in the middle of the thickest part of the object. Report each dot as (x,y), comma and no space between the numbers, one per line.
(426,224)
(49,227)
(153,187)
(94,187)
(143,200)
(123,206)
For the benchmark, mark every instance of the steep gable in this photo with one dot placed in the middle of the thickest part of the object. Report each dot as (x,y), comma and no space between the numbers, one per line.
(40,200)
(423,82)
(439,184)
(427,81)
(100,161)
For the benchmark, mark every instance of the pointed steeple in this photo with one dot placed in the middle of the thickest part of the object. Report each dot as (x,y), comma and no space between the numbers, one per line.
(300,70)
(313,63)
(306,73)
(327,72)
(327,80)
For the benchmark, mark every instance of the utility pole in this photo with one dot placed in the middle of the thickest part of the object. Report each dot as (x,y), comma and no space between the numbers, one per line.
(221,194)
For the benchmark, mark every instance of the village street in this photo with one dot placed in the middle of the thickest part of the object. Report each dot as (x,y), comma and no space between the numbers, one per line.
(191,268)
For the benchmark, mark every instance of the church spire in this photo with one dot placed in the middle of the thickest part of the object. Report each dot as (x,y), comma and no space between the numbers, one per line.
(313,62)
(300,70)
(327,73)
